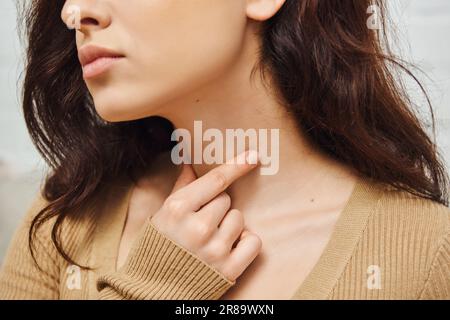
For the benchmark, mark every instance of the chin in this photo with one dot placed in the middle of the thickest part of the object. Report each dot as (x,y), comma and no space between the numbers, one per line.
(119,104)
(120,109)
(111,111)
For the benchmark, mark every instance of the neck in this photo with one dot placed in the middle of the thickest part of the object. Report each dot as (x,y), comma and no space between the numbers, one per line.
(236,100)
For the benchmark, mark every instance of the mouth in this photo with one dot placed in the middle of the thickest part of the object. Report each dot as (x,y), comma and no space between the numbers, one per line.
(97,60)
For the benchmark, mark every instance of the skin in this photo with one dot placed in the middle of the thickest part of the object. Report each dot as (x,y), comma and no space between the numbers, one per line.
(205,75)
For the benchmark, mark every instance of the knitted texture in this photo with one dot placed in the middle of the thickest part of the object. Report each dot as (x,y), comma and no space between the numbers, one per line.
(387,244)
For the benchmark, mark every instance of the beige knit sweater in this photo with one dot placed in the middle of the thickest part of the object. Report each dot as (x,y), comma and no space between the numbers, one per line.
(387,244)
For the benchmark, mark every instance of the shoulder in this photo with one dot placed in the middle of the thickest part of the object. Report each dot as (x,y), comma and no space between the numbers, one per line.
(414,233)
(41,212)
(74,227)
(32,213)
(418,215)
(407,239)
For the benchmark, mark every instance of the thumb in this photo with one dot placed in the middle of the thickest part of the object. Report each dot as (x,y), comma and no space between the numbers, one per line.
(186,176)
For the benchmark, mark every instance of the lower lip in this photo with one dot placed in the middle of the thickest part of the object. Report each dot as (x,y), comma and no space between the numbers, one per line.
(99,66)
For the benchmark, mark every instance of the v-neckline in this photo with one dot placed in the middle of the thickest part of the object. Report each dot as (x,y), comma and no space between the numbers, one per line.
(347,231)
(320,281)
(108,231)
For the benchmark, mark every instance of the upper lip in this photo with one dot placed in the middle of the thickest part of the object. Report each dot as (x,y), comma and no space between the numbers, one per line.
(90,53)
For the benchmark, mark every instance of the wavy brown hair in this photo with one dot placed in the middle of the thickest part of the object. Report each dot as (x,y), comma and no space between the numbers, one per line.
(338,78)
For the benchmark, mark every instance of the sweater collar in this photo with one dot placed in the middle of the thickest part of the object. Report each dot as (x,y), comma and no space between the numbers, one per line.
(108,232)
(317,285)
(348,230)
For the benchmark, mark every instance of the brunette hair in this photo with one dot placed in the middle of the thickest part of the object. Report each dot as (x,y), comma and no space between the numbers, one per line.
(337,76)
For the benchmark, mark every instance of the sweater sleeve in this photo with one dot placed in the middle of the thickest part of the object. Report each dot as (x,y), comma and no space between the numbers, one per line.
(20,278)
(437,285)
(157,268)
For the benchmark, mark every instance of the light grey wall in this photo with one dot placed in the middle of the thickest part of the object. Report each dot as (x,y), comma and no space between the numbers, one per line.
(19,163)
(424,27)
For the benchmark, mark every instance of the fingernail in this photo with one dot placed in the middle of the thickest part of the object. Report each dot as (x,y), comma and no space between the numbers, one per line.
(252,157)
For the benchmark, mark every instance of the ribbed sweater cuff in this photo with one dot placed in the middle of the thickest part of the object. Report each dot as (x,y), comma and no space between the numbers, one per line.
(159,269)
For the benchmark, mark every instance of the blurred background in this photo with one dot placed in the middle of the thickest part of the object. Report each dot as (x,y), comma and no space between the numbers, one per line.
(423,28)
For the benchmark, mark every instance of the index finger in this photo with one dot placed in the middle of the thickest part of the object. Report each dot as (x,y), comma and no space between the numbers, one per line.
(210,185)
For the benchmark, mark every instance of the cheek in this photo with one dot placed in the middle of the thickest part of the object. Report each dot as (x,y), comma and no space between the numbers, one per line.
(181,45)
(173,47)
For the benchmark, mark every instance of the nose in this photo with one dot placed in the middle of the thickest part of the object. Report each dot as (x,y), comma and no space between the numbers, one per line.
(85,15)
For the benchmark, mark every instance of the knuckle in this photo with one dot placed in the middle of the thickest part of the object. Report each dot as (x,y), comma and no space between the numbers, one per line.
(219,179)
(237,216)
(175,204)
(252,241)
(226,198)
(256,241)
(202,231)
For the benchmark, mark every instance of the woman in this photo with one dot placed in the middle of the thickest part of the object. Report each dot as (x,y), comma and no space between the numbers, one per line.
(358,207)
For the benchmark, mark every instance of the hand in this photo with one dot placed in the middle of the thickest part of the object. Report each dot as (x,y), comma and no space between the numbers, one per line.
(197,216)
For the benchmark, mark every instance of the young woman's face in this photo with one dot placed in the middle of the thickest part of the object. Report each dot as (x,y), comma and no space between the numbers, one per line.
(167,47)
